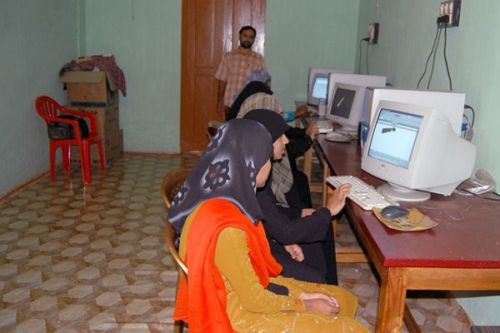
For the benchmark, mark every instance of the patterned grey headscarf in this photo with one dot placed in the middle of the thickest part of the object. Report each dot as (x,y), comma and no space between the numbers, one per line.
(226,169)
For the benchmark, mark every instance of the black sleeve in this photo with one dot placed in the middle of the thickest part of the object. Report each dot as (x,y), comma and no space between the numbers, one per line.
(299,143)
(295,133)
(289,231)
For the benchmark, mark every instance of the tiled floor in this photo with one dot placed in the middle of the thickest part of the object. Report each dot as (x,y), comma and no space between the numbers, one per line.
(94,260)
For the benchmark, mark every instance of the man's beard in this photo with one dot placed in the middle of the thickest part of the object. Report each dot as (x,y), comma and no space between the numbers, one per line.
(246,45)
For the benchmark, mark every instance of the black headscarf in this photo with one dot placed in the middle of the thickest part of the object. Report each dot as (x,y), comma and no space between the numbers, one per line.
(250,89)
(226,169)
(271,120)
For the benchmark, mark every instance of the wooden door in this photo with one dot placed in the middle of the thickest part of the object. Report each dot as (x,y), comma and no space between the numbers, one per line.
(209,29)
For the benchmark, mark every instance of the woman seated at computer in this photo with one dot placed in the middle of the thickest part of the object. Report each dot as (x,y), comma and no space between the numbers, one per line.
(258,82)
(290,185)
(306,251)
(302,241)
(226,251)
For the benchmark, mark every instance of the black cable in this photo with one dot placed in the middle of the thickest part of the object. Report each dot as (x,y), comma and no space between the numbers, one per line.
(446,59)
(466,106)
(434,58)
(367,69)
(359,58)
(429,57)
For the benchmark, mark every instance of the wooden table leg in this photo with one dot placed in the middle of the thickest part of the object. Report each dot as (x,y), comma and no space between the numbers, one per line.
(392,301)
(308,164)
(327,190)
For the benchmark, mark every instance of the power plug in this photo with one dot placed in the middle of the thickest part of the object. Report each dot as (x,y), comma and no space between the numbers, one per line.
(449,13)
(373,33)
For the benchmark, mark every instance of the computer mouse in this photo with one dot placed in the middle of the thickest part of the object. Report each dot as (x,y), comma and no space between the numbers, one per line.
(393,212)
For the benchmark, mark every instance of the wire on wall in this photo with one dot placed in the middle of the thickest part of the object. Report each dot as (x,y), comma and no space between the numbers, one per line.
(434,59)
(367,68)
(360,52)
(435,45)
(450,83)
(429,57)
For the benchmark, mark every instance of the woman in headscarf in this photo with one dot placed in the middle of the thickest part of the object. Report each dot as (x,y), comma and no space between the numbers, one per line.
(258,82)
(301,240)
(290,185)
(227,254)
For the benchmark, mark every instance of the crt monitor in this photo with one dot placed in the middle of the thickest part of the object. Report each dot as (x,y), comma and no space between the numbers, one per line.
(317,83)
(451,103)
(346,106)
(416,151)
(353,79)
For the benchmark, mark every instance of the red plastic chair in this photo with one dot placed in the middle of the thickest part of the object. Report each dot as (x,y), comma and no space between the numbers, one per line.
(49,110)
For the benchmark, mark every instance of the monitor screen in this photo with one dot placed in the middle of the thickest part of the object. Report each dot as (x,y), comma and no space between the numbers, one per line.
(394,137)
(342,102)
(345,107)
(318,83)
(416,151)
(320,87)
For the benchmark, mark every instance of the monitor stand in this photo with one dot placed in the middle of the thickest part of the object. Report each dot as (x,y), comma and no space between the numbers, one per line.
(348,131)
(400,193)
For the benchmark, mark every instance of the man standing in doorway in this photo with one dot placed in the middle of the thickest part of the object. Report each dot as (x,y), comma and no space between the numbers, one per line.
(235,67)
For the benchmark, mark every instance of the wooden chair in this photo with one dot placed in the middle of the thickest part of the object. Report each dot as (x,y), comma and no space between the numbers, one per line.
(171,184)
(213,126)
(169,188)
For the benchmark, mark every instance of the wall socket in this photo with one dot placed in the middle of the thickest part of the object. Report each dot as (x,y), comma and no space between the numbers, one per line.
(373,33)
(449,13)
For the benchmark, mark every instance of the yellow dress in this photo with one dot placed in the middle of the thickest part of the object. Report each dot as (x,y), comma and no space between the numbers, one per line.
(253,309)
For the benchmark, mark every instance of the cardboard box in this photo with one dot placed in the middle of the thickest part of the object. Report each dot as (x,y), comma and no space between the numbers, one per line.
(113,149)
(107,119)
(90,88)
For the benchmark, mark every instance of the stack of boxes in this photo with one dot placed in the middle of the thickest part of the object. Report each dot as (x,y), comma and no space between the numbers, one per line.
(96,92)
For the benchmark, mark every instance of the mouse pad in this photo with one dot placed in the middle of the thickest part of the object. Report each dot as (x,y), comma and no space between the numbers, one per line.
(414,221)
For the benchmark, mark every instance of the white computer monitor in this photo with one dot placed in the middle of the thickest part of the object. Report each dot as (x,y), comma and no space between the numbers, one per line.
(346,106)
(317,83)
(354,79)
(416,151)
(451,103)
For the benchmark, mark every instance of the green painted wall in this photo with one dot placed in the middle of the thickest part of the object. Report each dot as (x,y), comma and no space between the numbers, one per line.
(37,38)
(145,38)
(302,34)
(407,29)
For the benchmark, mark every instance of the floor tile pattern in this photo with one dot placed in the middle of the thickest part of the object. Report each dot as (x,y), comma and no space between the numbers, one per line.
(75,259)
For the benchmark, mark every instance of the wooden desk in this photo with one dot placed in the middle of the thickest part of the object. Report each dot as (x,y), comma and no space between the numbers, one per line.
(461,253)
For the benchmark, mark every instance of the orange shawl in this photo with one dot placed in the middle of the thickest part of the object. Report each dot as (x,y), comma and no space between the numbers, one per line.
(201,300)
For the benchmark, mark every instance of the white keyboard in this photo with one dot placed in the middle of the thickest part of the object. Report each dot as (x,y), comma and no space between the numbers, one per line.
(364,195)
(324,126)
